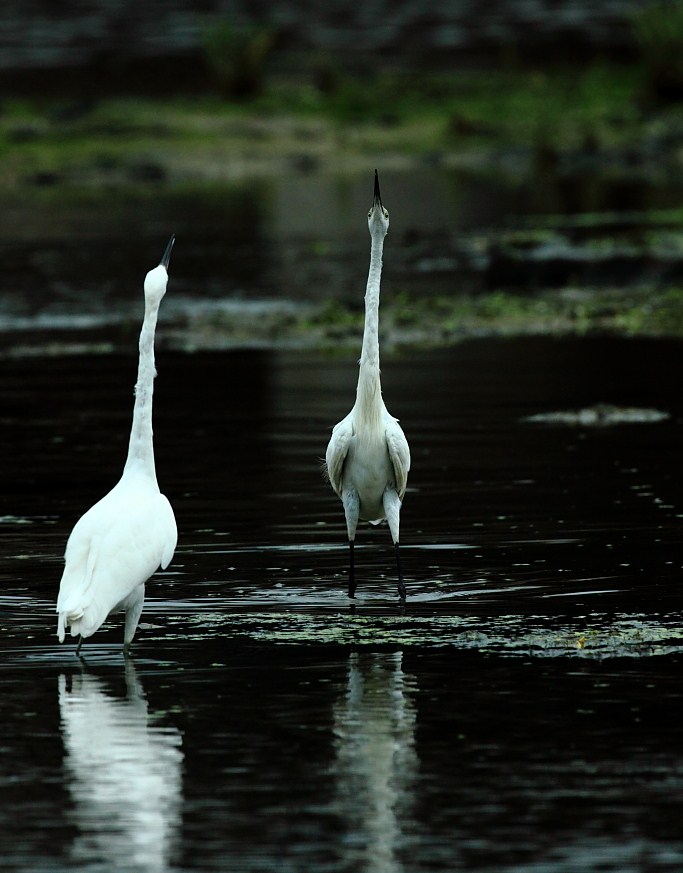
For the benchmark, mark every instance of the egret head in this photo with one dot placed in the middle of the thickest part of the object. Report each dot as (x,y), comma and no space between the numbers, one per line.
(156,279)
(378,217)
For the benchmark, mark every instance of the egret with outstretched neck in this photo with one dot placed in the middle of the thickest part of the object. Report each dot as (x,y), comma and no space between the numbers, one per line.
(368,459)
(120,541)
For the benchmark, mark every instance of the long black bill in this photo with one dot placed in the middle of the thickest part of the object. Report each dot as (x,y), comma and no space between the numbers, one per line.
(377,199)
(167,254)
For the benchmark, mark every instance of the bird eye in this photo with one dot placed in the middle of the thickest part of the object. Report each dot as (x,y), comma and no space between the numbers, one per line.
(386,214)
(369,213)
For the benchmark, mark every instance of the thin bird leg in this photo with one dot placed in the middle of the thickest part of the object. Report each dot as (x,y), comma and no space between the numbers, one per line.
(352,575)
(78,647)
(401,585)
(351,511)
(392,508)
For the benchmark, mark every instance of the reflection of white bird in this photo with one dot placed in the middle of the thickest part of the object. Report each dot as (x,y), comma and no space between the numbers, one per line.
(121,540)
(124,775)
(376,762)
(368,458)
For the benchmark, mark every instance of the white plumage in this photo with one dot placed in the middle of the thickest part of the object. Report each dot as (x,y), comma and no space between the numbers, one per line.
(121,540)
(368,458)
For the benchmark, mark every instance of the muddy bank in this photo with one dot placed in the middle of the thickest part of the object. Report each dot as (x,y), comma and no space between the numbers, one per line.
(228,290)
(407,323)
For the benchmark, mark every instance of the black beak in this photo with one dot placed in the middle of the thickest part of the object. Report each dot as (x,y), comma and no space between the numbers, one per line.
(377,199)
(167,254)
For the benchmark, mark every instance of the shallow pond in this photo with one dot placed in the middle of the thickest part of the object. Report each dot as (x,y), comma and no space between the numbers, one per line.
(519,715)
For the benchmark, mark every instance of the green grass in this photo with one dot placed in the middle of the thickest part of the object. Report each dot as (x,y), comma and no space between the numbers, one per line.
(399,113)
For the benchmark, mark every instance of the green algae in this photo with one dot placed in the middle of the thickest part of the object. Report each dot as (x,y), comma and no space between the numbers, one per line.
(595,636)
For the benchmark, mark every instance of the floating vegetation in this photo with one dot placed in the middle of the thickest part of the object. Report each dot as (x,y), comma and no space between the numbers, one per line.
(516,635)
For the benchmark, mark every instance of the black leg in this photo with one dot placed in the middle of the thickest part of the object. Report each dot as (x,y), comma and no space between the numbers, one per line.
(352,575)
(401,586)
(78,647)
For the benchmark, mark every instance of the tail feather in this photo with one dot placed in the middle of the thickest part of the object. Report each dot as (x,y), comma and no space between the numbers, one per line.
(72,621)
(61,626)
(72,618)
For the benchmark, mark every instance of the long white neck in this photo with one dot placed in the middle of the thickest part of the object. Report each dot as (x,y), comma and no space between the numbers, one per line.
(140,446)
(369,391)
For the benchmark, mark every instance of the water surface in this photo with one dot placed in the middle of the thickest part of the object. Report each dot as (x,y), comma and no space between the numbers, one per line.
(519,715)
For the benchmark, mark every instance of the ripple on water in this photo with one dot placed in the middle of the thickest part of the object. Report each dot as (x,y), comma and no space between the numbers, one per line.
(290,615)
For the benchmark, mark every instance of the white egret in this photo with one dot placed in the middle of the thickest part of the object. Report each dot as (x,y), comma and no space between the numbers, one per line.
(121,540)
(368,458)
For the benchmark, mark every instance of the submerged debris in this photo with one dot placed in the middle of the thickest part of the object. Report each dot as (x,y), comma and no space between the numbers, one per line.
(599,415)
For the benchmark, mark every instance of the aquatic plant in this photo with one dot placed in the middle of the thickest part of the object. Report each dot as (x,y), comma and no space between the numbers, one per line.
(599,636)
(236,57)
(658,33)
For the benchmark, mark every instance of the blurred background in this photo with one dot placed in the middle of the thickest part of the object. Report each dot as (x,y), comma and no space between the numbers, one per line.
(518,715)
(529,154)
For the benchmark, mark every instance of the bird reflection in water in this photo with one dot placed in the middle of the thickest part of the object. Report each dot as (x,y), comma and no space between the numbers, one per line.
(123,772)
(376,762)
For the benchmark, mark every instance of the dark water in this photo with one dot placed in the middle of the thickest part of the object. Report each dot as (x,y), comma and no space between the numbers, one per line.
(262,250)
(520,716)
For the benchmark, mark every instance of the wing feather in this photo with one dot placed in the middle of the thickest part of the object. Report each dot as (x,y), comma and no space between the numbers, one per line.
(399,454)
(114,548)
(169,531)
(337,450)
